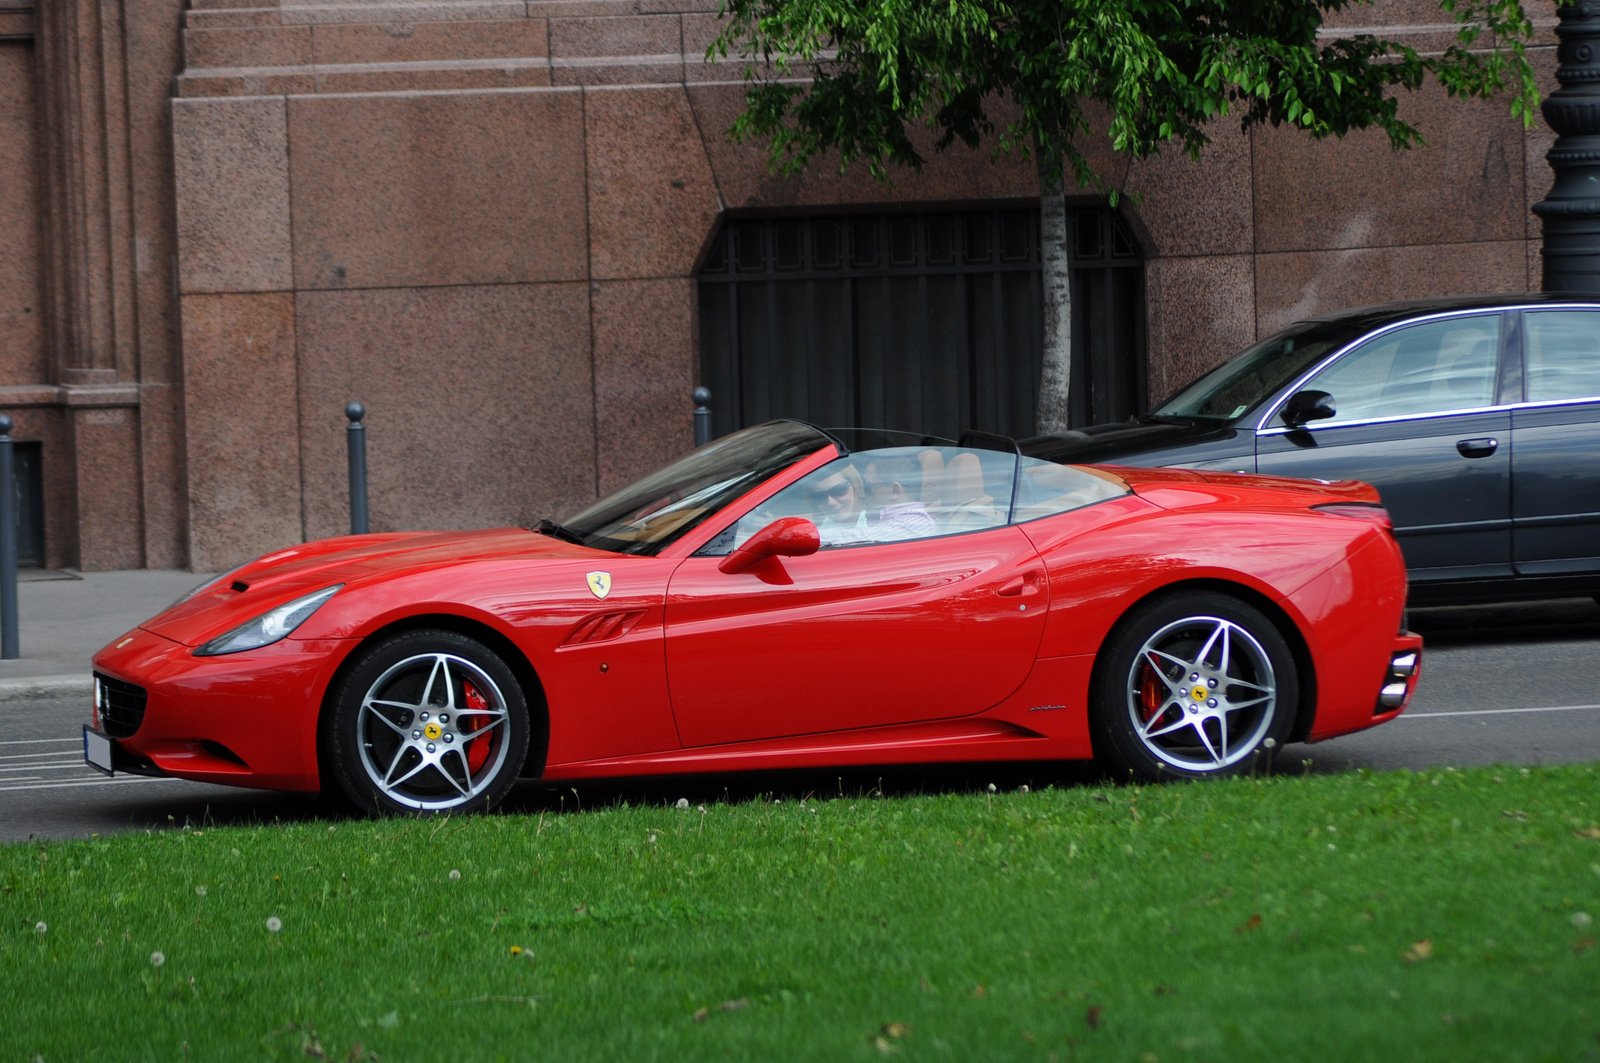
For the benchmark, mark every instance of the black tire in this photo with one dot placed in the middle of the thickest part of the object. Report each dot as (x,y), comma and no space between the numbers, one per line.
(426,723)
(1198,720)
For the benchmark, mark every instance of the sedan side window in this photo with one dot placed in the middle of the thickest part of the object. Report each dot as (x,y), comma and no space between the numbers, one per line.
(1563,355)
(1423,369)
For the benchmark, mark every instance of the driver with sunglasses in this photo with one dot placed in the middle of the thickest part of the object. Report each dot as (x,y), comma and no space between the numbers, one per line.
(839,502)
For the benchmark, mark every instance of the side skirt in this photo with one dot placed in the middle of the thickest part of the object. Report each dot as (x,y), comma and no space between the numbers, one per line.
(938,742)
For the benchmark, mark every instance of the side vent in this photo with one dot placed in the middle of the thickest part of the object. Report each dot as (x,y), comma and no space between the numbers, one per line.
(239,585)
(222,752)
(602,627)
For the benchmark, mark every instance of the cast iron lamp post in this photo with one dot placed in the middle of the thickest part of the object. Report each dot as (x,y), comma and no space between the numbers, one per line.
(1571,212)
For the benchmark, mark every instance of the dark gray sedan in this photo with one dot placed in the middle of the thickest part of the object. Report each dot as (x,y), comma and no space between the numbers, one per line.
(1478,419)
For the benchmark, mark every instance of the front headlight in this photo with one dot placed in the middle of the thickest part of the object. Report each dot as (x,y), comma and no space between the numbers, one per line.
(267,628)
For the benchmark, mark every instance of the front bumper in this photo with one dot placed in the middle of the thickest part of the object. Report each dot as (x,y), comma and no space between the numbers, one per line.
(246,719)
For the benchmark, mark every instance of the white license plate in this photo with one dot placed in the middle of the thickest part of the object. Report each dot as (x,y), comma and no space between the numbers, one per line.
(96,749)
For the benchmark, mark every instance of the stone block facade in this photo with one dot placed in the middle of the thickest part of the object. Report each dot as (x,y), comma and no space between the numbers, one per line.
(483,219)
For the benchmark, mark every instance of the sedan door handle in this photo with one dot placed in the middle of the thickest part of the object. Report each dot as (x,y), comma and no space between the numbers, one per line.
(1027,583)
(1481,447)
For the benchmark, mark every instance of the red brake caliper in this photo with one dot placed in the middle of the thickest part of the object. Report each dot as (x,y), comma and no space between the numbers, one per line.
(1150,693)
(477,748)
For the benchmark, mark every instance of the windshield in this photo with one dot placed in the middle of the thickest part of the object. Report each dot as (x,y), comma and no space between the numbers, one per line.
(663,506)
(1244,381)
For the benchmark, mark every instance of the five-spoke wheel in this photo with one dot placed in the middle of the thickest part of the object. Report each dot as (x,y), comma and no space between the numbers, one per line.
(427,722)
(1191,685)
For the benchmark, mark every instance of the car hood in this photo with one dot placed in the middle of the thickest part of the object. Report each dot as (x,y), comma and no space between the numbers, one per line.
(1144,443)
(282,576)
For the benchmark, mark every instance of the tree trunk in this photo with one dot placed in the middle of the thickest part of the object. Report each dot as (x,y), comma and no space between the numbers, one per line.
(1055,376)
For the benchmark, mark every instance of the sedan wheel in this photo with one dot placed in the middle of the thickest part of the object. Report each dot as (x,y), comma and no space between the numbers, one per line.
(1194,685)
(427,723)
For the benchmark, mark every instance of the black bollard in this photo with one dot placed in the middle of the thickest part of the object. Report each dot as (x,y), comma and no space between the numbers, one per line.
(702,416)
(356,436)
(8,546)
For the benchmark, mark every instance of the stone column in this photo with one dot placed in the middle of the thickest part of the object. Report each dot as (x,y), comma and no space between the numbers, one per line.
(1571,213)
(90,299)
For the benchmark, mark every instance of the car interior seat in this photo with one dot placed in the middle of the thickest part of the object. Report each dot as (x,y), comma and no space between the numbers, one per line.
(968,506)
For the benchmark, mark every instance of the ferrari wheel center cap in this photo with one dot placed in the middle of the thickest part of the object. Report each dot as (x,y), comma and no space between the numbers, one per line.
(433,731)
(1199,693)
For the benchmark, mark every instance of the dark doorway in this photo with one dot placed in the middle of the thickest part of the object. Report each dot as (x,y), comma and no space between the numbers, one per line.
(28,492)
(919,321)
(1108,323)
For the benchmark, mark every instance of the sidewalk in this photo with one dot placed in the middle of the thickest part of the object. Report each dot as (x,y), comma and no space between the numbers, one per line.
(65,618)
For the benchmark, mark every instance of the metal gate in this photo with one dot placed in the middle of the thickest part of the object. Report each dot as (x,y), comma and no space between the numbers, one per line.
(920,321)
(924,322)
(1108,322)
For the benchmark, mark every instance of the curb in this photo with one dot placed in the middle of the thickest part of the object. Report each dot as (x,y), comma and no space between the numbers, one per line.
(46,686)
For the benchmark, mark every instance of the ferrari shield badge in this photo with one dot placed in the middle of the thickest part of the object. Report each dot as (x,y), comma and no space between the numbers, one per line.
(599,583)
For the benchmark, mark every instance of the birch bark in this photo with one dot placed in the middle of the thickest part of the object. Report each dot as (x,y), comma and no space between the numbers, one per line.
(1055,376)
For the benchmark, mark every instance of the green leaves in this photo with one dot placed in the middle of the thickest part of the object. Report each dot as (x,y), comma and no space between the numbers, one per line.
(860,76)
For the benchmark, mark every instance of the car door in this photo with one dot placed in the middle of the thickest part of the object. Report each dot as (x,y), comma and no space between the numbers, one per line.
(1417,418)
(1555,440)
(861,633)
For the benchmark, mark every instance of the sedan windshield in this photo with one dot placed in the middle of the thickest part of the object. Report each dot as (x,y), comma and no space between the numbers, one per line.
(664,505)
(1244,381)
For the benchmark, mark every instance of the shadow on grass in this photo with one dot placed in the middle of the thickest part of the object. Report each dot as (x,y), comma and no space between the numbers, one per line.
(860,783)
(533,797)
(247,808)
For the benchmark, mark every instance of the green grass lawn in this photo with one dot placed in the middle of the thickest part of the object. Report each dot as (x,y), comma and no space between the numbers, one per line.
(1365,916)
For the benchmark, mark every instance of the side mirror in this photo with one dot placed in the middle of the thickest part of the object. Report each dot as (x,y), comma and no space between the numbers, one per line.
(784,537)
(1304,406)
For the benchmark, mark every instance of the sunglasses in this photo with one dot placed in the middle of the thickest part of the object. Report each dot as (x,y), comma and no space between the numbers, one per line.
(836,492)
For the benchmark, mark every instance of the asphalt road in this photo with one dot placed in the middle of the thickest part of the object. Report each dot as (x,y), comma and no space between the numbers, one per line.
(1514,684)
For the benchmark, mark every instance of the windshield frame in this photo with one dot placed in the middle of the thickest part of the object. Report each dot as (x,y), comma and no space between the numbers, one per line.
(800,449)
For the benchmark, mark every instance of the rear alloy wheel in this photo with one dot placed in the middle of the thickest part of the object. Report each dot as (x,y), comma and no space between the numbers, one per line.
(425,723)
(1195,685)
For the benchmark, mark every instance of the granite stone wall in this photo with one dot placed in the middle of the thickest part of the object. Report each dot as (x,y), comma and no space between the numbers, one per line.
(482,218)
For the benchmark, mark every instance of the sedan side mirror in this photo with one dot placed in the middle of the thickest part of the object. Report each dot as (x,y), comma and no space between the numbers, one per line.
(784,537)
(1304,406)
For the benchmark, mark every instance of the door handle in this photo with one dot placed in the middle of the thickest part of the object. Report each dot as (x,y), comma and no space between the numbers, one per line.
(1481,447)
(1025,584)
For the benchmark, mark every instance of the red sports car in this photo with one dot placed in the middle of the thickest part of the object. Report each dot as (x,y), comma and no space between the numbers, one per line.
(784,597)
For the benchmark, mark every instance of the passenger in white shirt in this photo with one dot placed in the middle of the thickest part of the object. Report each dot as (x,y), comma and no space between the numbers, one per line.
(894,485)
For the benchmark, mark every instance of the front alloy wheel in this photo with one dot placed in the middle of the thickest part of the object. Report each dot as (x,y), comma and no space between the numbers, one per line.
(1193,685)
(428,723)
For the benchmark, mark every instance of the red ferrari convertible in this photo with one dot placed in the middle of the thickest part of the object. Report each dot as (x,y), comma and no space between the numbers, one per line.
(784,597)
